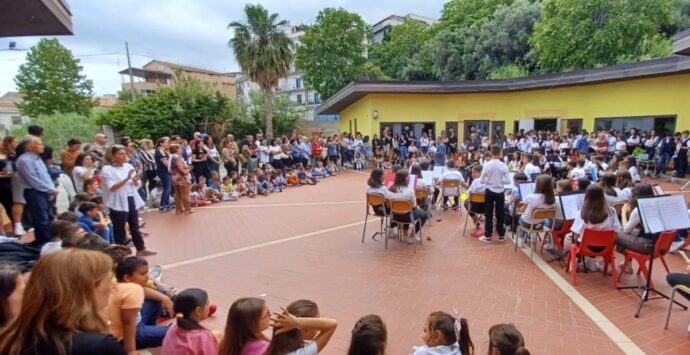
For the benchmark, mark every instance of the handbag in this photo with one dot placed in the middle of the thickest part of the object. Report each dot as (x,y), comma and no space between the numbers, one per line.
(243,159)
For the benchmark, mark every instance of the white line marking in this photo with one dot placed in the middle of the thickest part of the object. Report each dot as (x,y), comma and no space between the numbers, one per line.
(287,204)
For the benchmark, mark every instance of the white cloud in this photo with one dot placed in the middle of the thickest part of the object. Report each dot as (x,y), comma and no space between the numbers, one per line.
(181,31)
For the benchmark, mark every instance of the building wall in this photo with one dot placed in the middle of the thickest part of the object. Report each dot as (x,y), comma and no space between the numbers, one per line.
(659,96)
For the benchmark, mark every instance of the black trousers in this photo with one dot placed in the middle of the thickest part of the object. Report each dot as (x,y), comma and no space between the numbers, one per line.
(120,219)
(494,205)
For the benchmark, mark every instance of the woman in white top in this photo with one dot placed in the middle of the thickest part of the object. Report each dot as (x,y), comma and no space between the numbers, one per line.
(630,237)
(375,186)
(651,143)
(621,146)
(531,166)
(120,184)
(299,330)
(595,213)
(84,167)
(264,152)
(633,140)
(401,191)
(213,155)
(424,143)
(542,197)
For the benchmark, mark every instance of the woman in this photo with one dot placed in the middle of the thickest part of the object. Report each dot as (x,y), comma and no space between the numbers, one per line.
(401,191)
(200,161)
(161,156)
(8,155)
(120,184)
(651,143)
(229,156)
(84,167)
(277,155)
(213,156)
(181,180)
(12,284)
(148,167)
(61,311)
(424,143)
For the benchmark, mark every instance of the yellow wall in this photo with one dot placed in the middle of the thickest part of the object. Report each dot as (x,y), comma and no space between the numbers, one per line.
(667,95)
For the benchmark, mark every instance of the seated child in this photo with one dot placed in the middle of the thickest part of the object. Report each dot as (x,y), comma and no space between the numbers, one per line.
(155,195)
(292,179)
(332,168)
(277,180)
(197,197)
(512,218)
(228,190)
(62,232)
(252,185)
(475,187)
(445,334)
(263,186)
(132,314)
(93,221)
(319,171)
(378,157)
(186,335)
(304,178)
(79,198)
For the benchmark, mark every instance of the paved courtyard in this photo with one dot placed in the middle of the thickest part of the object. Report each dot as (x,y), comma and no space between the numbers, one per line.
(306,243)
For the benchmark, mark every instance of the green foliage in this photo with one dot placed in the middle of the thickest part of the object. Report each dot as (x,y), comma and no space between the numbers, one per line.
(468,13)
(508,71)
(446,50)
(263,51)
(51,82)
(58,128)
(373,72)
(332,51)
(575,34)
(398,52)
(286,114)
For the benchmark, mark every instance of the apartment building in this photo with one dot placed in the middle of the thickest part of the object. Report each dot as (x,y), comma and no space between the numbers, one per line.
(381,29)
(157,73)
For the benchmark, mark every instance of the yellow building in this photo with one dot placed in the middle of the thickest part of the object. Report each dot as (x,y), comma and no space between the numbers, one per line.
(157,73)
(646,95)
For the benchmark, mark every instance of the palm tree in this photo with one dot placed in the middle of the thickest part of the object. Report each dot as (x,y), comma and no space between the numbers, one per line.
(263,51)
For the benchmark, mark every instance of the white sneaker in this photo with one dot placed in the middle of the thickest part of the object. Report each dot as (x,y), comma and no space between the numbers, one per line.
(484,239)
(628,269)
(19,229)
(592,265)
(412,240)
(521,242)
(391,232)
(675,246)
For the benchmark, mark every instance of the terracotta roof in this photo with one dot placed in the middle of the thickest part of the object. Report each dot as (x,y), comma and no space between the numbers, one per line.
(628,71)
(186,68)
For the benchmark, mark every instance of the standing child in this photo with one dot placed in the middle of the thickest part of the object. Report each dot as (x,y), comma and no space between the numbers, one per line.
(495,177)
(247,319)
(542,197)
(186,336)
(444,334)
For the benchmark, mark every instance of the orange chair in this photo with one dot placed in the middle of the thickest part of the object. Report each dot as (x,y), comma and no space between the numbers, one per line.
(594,243)
(663,244)
(558,235)
(376,201)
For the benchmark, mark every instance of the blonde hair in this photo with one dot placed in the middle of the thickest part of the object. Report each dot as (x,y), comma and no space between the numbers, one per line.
(59,300)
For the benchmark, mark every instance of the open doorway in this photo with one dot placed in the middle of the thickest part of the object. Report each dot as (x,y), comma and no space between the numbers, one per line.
(546,124)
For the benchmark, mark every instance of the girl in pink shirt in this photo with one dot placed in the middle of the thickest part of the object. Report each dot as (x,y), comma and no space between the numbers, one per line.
(186,336)
(247,319)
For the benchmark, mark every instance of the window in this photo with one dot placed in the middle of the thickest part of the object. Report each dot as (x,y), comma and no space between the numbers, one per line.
(660,124)
(16,120)
(298,83)
(299,98)
(147,92)
(317,100)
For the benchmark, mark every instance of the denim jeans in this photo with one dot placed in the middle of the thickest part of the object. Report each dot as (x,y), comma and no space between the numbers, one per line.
(166,180)
(149,335)
(663,163)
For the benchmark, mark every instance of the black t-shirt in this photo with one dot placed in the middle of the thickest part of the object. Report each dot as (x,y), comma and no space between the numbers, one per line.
(83,344)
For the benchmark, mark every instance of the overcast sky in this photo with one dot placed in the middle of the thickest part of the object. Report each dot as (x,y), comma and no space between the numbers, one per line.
(181,31)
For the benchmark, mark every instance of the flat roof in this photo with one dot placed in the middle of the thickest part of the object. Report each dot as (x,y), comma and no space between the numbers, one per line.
(628,71)
(144,73)
(35,18)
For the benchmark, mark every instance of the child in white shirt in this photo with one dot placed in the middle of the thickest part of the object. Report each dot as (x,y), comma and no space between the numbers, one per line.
(543,197)
(476,187)
(444,334)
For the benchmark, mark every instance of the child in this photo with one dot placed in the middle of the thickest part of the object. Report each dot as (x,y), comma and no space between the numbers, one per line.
(518,178)
(494,176)
(505,339)
(359,162)
(369,336)
(263,187)
(292,179)
(92,221)
(197,198)
(132,319)
(155,195)
(624,185)
(543,197)
(450,174)
(63,232)
(578,172)
(304,178)
(277,180)
(228,190)
(252,185)
(476,187)
(378,157)
(79,198)
(318,171)
(332,168)
(444,334)
(531,165)
(299,324)
(247,319)
(186,336)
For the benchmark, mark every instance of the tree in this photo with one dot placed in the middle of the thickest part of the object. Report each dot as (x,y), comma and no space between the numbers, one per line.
(332,52)
(373,72)
(286,115)
(446,50)
(399,51)
(467,13)
(58,128)
(263,51)
(575,34)
(508,71)
(51,81)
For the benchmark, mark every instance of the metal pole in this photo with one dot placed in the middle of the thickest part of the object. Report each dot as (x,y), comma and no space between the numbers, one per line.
(129,69)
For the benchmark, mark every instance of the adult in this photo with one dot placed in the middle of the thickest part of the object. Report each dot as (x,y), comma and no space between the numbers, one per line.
(453,142)
(84,167)
(40,191)
(120,185)
(440,155)
(200,161)
(69,156)
(681,162)
(651,143)
(61,311)
(148,167)
(181,180)
(12,284)
(633,140)
(99,148)
(37,131)
(667,146)
(264,153)
(162,158)
(8,156)
(213,161)
(248,151)
(277,156)
(230,155)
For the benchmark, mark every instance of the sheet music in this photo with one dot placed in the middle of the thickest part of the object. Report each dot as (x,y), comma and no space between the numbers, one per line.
(525,189)
(658,190)
(663,213)
(428,177)
(413,182)
(438,171)
(571,204)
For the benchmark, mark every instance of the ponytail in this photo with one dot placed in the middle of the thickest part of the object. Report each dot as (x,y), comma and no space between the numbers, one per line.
(464,339)
(185,304)
(521,350)
(505,339)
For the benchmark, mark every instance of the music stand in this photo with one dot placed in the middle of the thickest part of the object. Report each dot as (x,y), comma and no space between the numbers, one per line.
(647,288)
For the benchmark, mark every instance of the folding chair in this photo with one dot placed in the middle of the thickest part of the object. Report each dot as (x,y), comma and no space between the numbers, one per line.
(423,199)
(663,245)
(451,188)
(401,208)
(683,288)
(375,201)
(477,201)
(537,214)
(594,243)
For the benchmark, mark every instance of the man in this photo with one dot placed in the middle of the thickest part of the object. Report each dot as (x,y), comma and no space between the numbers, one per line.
(98,148)
(494,176)
(667,147)
(681,163)
(40,190)
(37,131)
(69,156)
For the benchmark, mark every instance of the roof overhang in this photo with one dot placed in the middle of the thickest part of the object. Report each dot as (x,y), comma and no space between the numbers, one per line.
(358,89)
(681,43)
(143,73)
(35,18)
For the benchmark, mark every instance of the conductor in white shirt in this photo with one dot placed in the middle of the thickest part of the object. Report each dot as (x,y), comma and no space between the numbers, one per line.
(494,176)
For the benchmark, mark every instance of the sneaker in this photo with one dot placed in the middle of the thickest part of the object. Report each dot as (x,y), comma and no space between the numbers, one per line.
(19,229)
(156,273)
(628,269)
(592,265)
(675,246)
(520,242)
(391,232)
(600,267)
(146,252)
(484,239)
(412,240)
(501,238)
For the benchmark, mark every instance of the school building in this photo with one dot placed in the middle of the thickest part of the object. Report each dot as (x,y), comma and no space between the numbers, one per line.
(653,94)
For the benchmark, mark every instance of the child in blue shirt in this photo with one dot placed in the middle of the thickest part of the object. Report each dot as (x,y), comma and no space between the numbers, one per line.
(92,221)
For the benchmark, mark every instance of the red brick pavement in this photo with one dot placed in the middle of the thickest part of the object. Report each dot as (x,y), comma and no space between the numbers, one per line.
(300,245)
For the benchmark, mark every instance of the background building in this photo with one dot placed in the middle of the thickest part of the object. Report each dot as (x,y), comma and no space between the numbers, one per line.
(9,113)
(381,29)
(157,73)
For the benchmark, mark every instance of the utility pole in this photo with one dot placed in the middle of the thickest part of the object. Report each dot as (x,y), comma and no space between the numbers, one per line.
(129,69)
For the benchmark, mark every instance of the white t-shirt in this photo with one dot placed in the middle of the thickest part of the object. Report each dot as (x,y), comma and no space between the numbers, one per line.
(577,173)
(624,194)
(452,175)
(477,186)
(635,174)
(381,190)
(309,349)
(264,157)
(51,247)
(531,169)
(533,201)
(78,181)
(611,222)
(403,194)
(621,146)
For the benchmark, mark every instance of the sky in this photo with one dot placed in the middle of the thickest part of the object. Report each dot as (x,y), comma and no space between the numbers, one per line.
(190,32)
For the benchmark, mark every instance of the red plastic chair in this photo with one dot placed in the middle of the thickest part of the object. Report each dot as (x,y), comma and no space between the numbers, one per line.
(558,235)
(663,245)
(594,243)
